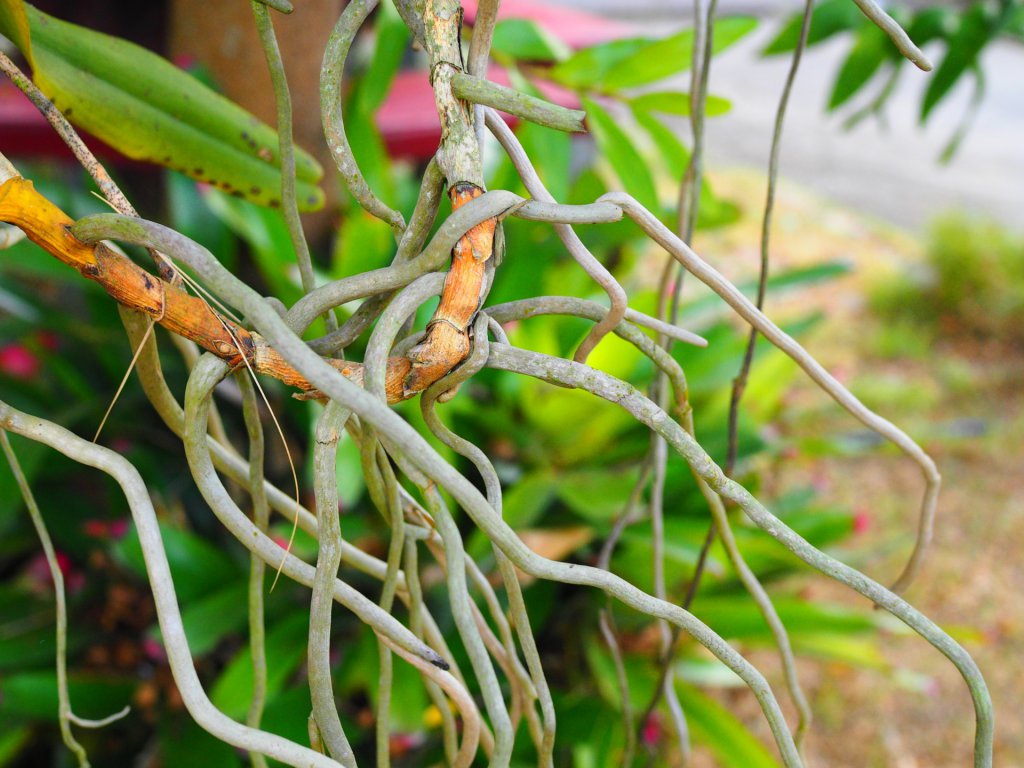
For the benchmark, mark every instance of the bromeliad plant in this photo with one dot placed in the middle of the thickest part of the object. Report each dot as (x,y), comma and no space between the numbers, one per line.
(412,485)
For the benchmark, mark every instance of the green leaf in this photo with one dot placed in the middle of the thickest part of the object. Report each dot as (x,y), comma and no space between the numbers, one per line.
(933,24)
(148,109)
(551,152)
(871,48)
(14,26)
(351,483)
(285,649)
(34,695)
(526,40)
(197,566)
(182,742)
(829,18)
(625,159)
(678,103)
(266,234)
(736,617)
(721,731)
(388,50)
(210,619)
(12,741)
(588,67)
(978,26)
(596,496)
(528,498)
(673,153)
(1015,24)
(668,56)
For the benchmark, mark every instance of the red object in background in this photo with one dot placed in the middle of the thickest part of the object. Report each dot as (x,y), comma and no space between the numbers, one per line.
(407,120)
(577,29)
(18,362)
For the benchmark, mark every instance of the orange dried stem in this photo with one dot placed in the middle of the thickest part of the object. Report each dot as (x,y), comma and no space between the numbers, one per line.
(444,347)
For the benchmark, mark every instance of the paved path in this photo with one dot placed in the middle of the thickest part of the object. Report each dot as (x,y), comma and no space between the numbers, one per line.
(891,173)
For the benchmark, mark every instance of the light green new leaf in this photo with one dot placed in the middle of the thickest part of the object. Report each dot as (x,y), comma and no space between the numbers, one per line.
(678,103)
(148,109)
(588,67)
(625,159)
(526,40)
(672,54)
(392,38)
(723,733)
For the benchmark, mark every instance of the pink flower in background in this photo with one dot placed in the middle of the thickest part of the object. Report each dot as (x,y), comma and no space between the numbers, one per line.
(38,572)
(18,362)
(651,733)
(861,520)
(106,529)
(154,650)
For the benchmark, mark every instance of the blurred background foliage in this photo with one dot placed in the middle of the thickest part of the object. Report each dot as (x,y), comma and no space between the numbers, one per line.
(568,462)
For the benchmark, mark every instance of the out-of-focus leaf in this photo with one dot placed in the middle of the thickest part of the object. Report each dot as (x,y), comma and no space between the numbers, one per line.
(30,456)
(388,50)
(197,566)
(625,159)
(785,280)
(932,24)
(736,617)
(829,18)
(588,67)
(151,110)
(191,216)
(721,731)
(526,40)
(266,234)
(285,648)
(673,153)
(34,694)
(350,476)
(1015,24)
(27,631)
(551,151)
(678,103)
(12,740)
(978,26)
(182,742)
(668,56)
(210,619)
(870,49)
(768,384)
(596,495)
(857,651)
(639,672)
(527,498)
(362,244)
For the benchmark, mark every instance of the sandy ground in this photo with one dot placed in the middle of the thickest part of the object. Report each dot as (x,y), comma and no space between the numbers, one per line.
(963,402)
